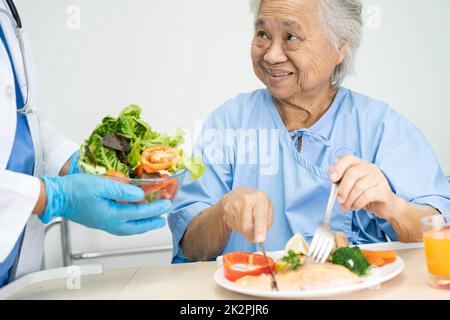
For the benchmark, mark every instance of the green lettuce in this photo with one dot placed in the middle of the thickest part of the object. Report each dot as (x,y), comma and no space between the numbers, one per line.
(174,141)
(100,157)
(194,165)
(107,126)
(134,157)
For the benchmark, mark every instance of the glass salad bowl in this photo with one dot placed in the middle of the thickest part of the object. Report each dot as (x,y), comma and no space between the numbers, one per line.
(155,188)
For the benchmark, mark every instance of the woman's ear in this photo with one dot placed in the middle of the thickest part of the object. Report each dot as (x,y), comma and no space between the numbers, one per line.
(342,53)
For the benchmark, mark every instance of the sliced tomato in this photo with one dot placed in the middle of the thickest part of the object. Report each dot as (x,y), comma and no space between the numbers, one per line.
(139,171)
(117,176)
(164,173)
(159,158)
(115,173)
(168,193)
(240,264)
(148,188)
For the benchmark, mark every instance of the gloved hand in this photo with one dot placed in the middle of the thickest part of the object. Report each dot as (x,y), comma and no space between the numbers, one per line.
(73,166)
(91,201)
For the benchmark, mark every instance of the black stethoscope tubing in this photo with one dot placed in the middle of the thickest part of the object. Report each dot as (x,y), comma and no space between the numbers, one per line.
(15,13)
(14,16)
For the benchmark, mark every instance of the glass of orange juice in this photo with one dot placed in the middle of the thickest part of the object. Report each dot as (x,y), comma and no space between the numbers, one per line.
(436,238)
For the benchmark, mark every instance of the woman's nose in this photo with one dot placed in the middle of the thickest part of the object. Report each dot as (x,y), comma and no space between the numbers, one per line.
(275,54)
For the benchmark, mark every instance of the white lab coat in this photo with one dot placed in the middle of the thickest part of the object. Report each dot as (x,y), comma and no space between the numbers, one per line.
(19,192)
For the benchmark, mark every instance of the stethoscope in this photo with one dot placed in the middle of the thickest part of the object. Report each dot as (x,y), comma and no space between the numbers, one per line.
(16,23)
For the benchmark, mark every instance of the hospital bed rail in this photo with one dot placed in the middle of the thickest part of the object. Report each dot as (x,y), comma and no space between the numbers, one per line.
(68,257)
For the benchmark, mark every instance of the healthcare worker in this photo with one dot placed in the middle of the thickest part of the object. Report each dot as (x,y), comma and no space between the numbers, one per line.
(38,167)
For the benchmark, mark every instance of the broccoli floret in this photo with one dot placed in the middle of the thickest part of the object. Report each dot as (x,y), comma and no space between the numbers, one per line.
(352,259)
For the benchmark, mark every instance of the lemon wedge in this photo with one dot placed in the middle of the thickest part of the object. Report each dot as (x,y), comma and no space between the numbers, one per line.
(297,244)
(281,266)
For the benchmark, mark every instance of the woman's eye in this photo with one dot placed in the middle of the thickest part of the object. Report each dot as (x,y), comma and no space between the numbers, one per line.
(262,34)
(291,37)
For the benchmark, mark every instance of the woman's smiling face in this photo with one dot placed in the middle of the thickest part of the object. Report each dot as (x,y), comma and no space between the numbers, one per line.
(291,52)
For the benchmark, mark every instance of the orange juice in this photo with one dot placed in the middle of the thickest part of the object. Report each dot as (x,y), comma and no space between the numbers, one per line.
(437,250)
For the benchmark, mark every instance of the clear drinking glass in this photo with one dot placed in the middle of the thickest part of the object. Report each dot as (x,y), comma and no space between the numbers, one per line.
(436,238)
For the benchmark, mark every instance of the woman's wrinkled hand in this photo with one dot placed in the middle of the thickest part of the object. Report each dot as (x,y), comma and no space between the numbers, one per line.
(248,212)
(363,185)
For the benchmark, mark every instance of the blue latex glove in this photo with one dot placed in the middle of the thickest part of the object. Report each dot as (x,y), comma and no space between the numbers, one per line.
(73,165)
(91,201)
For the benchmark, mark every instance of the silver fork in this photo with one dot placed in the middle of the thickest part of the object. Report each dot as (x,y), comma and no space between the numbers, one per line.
(274,283)
(323,240)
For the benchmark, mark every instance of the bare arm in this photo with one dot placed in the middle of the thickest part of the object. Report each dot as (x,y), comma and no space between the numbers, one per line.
(406,220)
(206,236)
(246,211)
(39,208)
(65,169)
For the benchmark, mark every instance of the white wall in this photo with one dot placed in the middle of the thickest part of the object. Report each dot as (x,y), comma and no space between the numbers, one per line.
(181,59)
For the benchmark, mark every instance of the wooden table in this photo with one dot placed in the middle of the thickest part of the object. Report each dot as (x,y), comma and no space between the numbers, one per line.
(195,282)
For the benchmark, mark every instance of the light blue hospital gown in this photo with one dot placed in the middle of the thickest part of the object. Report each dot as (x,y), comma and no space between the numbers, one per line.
(246,144)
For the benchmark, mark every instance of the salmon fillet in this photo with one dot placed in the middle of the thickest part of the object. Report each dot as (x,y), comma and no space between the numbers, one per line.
(309,276)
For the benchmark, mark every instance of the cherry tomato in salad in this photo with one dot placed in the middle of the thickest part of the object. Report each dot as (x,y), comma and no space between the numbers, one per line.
(159,158)
(167,189)
(240,264)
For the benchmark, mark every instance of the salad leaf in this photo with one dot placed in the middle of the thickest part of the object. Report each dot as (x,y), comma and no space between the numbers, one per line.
(134,157)
(117,142)
(293,260)
(143,131)
(91,169)
(132,126)
(133,111)
(194,165)
(107,126)
(125,127)
(174,141)
(106,157)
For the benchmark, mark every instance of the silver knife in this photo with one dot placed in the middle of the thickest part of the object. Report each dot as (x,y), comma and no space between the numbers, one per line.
(272,272)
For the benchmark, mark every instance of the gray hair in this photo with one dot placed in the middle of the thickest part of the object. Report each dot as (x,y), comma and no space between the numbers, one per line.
(344,24)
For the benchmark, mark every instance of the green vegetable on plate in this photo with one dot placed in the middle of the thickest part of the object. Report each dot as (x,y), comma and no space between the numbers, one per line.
(352,259)
(292,261)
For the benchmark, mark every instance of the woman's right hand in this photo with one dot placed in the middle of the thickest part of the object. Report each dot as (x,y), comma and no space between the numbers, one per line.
(248,212)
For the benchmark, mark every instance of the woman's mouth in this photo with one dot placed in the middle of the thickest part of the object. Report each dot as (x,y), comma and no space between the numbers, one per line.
(277,76)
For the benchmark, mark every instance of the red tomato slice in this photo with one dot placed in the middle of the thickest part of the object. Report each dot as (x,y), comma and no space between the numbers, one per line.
(148,188)
(168,193)
(139,171)
(117,176)
(240,264)
(159,158)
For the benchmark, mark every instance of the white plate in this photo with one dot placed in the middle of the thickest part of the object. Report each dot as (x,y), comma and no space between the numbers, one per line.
(376,277)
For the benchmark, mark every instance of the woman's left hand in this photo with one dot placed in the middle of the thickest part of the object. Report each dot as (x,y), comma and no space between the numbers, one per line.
(362,185)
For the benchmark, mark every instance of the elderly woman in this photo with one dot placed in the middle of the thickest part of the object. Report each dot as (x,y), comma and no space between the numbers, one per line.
(271,156)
